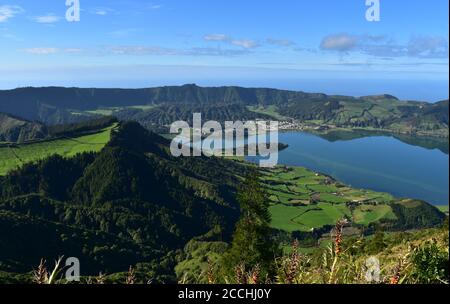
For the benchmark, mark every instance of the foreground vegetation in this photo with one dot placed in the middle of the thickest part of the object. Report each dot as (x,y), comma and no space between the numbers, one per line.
(12,156)
(415,257)
(254,256)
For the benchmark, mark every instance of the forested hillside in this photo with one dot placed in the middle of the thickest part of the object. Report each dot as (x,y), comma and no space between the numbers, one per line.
(166,114)
(167,104)
(131,203)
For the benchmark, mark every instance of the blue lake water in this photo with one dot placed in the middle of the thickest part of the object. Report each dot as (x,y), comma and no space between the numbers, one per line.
(381,163)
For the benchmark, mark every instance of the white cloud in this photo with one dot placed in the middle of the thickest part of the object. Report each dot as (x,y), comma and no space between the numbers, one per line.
(245,43)
(428,47)
(47,19)
(280,42)
(216,37)
(73,50)
(339,42)
(140,50)
(215,52)
(162,51)
(154,6)
(9,11)
(383,46)
(42,51)
(52,50)
(102,11)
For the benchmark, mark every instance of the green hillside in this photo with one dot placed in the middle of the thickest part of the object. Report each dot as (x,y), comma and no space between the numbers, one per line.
(163,105)
(374,113)
(129,203)
(13,156)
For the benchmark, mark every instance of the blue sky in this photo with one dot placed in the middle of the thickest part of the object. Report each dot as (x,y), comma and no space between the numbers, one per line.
(311,45)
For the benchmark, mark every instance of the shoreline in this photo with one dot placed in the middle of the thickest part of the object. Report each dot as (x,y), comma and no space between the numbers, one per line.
(324,129)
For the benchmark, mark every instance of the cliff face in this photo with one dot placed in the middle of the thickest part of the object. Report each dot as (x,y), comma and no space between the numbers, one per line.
(13,129)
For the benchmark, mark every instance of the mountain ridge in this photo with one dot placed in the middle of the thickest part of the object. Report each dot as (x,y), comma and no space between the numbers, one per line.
(133,194)
(57,105)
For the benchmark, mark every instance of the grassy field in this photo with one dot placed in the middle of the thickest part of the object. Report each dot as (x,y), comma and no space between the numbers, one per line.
(109,111)
(443,208)
(302,200)
(13,157)
(269,110)
(367,214)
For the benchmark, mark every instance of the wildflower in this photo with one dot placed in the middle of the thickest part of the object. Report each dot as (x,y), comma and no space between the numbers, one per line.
(131,276)
(240,275)
(210,273)
(40,276)
(100,279)
(396,278)
(255,275)
(293,264)
(338,238)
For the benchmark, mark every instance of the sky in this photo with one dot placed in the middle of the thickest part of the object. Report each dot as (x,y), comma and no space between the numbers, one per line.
(311,45)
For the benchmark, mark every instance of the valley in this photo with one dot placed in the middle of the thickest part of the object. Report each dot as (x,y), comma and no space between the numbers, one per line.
(108,190)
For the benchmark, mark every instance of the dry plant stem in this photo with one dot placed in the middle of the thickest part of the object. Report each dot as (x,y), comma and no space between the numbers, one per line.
(210,273)
(55,271)
(40,275)
(337,248)
(131,276)
(240,275)
(293,264)
(255,275)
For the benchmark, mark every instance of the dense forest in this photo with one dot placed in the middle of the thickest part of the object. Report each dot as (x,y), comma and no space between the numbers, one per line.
(130,203)
(165,115)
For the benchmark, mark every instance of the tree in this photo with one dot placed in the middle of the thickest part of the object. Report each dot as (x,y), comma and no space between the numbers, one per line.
(252,245)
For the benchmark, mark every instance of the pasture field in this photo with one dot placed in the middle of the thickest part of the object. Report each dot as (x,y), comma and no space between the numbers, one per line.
(12,157)
(109,111)
(302,200)
(269,110)
(366,214)
(443,208)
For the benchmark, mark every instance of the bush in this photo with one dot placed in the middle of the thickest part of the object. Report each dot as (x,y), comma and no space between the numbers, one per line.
(430,264)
